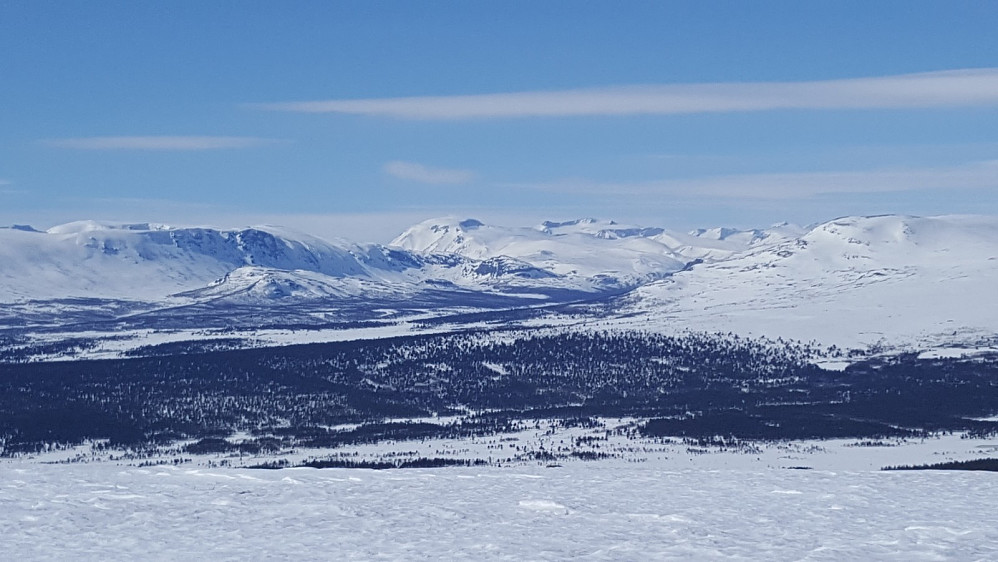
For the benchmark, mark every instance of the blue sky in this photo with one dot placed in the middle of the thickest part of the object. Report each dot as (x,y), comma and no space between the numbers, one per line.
(357,118)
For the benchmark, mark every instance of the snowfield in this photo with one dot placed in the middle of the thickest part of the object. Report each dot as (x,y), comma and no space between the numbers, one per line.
(577,511)
(660,500)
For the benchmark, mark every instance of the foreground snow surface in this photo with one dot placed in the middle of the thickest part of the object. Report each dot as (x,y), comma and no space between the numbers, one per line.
(580,510)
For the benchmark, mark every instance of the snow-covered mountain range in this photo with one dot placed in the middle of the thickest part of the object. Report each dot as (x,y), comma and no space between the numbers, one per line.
(611,254)
(854,281)
(153,262)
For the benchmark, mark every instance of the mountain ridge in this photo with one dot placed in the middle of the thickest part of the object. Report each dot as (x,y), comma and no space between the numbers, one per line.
(855,280)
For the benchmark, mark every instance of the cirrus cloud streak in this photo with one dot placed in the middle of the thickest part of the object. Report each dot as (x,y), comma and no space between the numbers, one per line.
(413,171)
(6,189)
(952,88)
(799,185)
(158,143)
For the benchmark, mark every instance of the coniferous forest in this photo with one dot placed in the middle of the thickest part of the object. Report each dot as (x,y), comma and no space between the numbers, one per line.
(326,395)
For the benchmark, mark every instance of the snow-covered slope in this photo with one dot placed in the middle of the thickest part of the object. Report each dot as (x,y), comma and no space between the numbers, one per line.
(594,252)
(714,244)
(853,281)
(148,261)
(590,247)
(152,262)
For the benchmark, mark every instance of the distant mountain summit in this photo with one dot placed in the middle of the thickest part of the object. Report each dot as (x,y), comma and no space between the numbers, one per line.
(610,253)
(598,254)
(141,261)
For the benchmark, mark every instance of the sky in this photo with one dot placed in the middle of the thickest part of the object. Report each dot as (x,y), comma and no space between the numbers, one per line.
(356,119)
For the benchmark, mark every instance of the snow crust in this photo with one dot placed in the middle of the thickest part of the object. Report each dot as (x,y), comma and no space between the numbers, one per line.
(658,499)
(589,511)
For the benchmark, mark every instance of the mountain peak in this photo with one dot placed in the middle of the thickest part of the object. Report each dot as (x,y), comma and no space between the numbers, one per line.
(21,227)
(549,225)
(470,224)
(83,226)
(716,233)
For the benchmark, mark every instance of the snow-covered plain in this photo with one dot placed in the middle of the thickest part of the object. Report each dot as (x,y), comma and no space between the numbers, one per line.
(651,499)
(577,511)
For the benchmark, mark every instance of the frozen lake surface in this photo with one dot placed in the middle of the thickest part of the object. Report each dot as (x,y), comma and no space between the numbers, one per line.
(596,511)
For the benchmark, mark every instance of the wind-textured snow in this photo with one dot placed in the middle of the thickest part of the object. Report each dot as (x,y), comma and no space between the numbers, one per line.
(578,511)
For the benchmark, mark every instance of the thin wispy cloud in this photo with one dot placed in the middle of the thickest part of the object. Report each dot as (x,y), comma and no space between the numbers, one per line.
(6,189)
(953,88)
(976,175)
(158,143)
(152,203)
(413,171)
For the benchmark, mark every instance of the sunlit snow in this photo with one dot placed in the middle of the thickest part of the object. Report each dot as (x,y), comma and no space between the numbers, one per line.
(637,512)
